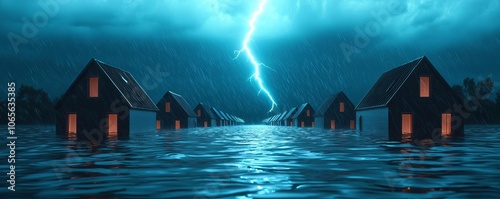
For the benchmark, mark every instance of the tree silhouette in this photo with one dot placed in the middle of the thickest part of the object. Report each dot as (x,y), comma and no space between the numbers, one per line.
(33,106)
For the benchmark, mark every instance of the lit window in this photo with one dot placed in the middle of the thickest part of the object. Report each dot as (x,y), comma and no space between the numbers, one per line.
(71,123)
(177,124)
(352,124)
(341,107)
(312,124)
(167,107)
(424,87)
(446,124)
(301,124)
(308,113)
(332,124)
(407,124)
(291,123)
(158,124)
(205,124)
(112,124)
(93,87)
(199,113)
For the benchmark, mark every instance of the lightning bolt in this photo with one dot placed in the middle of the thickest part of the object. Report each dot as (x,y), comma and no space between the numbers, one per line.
(254,62)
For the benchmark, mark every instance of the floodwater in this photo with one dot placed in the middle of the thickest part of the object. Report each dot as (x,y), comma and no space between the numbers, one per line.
(253,162)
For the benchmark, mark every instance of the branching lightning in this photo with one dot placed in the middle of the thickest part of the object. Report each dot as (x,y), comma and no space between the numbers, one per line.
(254,62)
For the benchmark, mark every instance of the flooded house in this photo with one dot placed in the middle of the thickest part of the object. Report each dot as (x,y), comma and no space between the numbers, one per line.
(280,121)
(304,117)
(225,119)
(219,119)
(174,112)
(288,119)
(107,100)
(410,101)
(336,112)
(205,117)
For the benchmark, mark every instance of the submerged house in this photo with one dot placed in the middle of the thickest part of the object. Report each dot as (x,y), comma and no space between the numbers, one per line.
(304,116)
(219,119)
(280,121)
(410,101)
(174,113)
(205,117)
(106,99)
(336,112)
(288,119)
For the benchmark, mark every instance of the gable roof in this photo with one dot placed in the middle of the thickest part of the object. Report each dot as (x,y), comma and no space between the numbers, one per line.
(301,108)
(282,116)
(290,113)
(328,103)
(206,109)
(184,105)
(224,115)
(391,82)
(388,85)
(123,81)
(217,115)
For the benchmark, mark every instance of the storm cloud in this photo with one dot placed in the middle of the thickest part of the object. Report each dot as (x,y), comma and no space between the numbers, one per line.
(313,47)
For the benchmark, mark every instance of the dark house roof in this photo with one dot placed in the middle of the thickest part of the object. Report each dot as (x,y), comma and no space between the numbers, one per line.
(290,113)
(301,108)
(224,116)
(282,116)
(184,105)
(123,81)
(217,115)
(207,110)
(328,102)
(390,83)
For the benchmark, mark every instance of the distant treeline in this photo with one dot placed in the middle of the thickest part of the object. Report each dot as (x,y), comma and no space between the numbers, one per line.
(33,106)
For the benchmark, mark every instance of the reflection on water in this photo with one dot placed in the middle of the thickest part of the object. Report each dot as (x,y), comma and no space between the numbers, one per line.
(254,162)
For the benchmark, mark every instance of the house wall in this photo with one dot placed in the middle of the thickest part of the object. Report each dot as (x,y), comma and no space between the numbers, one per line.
(373,121)
(319,122)
(142,121)
(92,113)
(426,111)
(167,120)
(191,122)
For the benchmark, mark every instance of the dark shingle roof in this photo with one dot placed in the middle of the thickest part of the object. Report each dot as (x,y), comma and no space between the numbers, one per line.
(328,103)
(388,85)
(124,82)
(282,116)
(184,105)
(301,108)
(217,115)
(290,113)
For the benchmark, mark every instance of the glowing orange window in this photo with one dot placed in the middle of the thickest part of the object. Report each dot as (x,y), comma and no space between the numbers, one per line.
(112,124)
(199,113)
(291,123)
(167,107)
(177,124)
(71,123)
(332,124)
(407,124)
(308,113)
(352,124)
(301,124)
(424,87)
(446,124)
(312,124)
(93,87)
(205,124)
(158,124)
(341,107)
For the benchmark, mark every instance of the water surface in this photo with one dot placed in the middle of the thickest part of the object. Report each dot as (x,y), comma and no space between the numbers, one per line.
(254,162)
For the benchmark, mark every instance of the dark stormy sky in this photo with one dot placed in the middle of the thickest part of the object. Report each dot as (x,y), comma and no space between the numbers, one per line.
(314,48)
